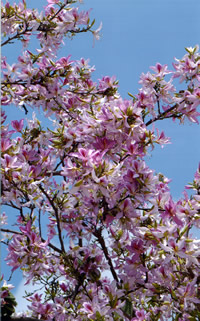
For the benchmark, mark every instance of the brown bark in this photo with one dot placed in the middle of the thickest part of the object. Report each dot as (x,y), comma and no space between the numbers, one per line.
(19,319)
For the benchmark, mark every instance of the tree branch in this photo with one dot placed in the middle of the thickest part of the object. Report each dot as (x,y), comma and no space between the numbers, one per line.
(161,115)
(53,247)
(16,36)
(99,237)
(59,10)
(3,318)
(57,217)
(10,231)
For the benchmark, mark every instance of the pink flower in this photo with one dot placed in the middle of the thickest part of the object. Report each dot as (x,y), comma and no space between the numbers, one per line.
(161,70)
(70,169)
(3,219)
(88,156)
(35,171)
(188,294)
(3,117)
(140,315)
(104,143)
(17,125)
(171,212)
(10,162)
(95,306)
(26,229)
(63,62)
(64,287)
(96,33)
(5,144)
(51,3)
(137,248)
(87,307)
(162,139)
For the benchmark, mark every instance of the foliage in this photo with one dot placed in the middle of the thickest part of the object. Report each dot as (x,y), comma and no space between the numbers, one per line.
(8,302)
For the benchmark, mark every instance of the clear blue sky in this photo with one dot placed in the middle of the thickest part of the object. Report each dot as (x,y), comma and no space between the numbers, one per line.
(137,34)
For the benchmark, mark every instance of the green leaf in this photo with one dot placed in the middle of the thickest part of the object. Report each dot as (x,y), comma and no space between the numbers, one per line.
(128,309)
(92,24)
(132,96)
(9,307)
(79,183)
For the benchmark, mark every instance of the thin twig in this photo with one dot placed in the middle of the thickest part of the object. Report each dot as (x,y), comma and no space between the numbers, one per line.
(59,10)
(39,223)
(158,104)
(19,319)
(161,115)
(10,231)
(57,217)
(16,36)
(101,241)
(53,247)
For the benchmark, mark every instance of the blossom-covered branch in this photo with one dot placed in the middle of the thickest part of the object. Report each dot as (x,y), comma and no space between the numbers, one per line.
(95,226)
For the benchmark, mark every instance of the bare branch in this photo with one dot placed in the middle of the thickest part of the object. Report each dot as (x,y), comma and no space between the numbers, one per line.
(101,241)
(59,10)
(162,115)
(19,319)
(57,217)
(39,223)
(10,231)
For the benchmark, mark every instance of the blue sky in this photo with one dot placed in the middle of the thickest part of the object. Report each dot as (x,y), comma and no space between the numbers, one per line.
(137,34)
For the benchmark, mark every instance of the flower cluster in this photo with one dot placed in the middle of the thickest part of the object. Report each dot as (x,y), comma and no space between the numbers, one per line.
(96,227)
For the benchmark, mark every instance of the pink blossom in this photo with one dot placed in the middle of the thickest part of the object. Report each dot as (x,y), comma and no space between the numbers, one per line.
(104,143)
(88,156)
(51,4)
(17,125)
(3,219)
(87,307)
(10,162)
(161,70)
(162,139)
(96,33)
(140,315)
(5,144)
(63,62)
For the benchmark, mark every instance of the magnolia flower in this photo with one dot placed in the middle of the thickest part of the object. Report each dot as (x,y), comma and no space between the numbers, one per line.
(17,125)
(96,33)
